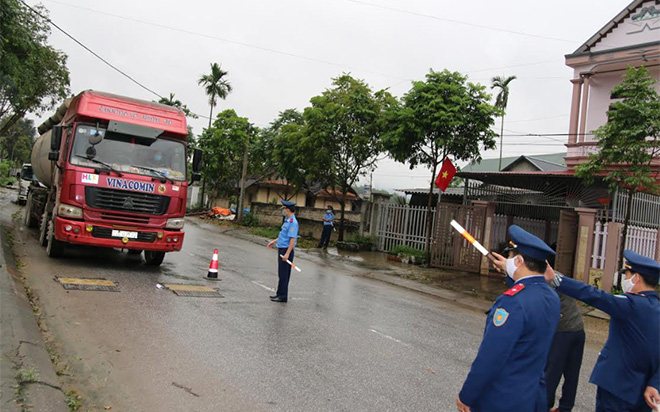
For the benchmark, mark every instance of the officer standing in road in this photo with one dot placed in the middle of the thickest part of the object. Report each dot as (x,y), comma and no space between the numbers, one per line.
(627,370)
(285,242)
(507,374)
(328,222)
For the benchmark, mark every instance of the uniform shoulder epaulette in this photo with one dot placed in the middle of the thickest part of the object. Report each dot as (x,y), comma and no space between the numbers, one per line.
(517,288)
(291,221)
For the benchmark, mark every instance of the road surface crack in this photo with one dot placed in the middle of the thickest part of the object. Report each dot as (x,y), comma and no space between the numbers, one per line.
(185,388)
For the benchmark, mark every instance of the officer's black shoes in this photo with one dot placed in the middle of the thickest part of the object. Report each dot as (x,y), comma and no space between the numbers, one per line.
(273,297)
(278,299)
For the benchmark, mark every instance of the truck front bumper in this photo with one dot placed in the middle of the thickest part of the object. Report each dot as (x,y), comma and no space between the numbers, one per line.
(82,233)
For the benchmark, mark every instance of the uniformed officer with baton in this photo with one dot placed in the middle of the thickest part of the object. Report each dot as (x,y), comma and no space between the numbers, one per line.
(285,243)
(507,374)
(627,370)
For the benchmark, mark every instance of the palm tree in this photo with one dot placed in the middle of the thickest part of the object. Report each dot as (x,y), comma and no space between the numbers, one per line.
(215,86)
(501,101)
(171,101)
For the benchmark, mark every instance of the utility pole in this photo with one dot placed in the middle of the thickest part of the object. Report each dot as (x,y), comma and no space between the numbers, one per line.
(239,212)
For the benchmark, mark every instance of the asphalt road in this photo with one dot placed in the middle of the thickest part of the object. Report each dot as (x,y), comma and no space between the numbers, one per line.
(341,343)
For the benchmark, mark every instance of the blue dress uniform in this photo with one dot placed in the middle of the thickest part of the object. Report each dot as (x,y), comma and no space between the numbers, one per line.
(507,374)
(630,359)
(289,231)
(327,229)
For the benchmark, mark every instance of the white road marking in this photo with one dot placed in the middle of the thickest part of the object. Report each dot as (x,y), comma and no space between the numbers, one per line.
(388,337)
(263,286)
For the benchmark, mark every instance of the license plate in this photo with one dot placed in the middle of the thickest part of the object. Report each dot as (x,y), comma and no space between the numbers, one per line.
(124,234)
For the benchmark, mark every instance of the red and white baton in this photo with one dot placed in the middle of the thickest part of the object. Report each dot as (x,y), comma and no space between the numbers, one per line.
(472,240)
(291,263)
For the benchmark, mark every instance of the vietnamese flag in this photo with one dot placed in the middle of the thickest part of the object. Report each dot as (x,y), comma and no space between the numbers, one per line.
(447,173)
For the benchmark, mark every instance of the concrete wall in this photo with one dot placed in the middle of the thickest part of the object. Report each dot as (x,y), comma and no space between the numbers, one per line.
(308,218)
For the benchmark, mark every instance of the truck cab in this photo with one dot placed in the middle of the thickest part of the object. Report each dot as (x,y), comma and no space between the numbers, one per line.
(24,177)
(115,169)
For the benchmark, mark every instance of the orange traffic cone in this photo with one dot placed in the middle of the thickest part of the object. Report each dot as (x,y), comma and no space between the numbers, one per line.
(213,268)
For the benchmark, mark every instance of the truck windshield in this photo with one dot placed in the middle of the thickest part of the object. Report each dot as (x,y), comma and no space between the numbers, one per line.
(129,154)
(27,173)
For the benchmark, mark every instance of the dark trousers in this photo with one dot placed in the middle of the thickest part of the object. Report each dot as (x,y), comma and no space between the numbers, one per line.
(564,358)
(283,273)
(608,402)
(325,236)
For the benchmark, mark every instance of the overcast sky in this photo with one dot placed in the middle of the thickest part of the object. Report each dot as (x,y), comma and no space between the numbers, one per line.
(281,53)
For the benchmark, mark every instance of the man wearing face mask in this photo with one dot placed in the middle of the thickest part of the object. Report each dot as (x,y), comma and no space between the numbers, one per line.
(507,374)
(627,370)
(285,242)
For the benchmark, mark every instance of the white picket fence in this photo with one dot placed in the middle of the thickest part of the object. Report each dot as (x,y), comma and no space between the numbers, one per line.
(642,240)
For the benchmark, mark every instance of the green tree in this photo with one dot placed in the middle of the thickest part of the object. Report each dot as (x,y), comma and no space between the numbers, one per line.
(276,150)
(342,133)
(33,75)
(444,116)
(629,143)
(215,85)
(16,143)
(171,101)
(501,102)
(224,144)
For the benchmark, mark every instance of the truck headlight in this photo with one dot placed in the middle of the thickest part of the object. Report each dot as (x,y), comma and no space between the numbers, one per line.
(69,211)
(175,223)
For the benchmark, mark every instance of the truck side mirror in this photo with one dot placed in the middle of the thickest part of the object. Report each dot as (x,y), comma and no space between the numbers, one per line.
(197,161)
(56,138)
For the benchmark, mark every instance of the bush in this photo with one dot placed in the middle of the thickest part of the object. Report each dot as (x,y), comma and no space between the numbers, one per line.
(363,240)
(250,220)
(402,250)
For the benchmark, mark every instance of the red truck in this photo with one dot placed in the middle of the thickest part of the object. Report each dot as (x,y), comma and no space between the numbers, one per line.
(111,171)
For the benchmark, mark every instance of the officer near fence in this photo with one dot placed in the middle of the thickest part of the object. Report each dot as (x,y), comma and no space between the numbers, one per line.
(285,243)
(627,370)
(507,374)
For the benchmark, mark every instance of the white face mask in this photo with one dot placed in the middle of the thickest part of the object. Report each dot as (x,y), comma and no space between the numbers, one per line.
(627,284)
(511,266)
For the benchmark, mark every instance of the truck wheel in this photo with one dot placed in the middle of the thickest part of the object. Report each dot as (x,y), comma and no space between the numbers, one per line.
(55,248)
(43,229)
(154,258)
(28,219)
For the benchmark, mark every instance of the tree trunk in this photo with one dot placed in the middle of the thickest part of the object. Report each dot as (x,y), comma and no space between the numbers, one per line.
(501,142)
(241,197)
(624,235)
(341,218)
(429,217)
(204,177)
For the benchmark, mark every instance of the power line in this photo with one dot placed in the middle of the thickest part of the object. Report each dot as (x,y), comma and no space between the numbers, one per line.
(89,50)
(463,22)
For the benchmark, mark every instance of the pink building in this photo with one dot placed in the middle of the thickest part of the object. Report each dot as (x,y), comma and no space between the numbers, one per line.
(632,38)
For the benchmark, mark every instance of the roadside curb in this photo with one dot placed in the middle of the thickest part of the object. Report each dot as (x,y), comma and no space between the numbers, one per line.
(24,352)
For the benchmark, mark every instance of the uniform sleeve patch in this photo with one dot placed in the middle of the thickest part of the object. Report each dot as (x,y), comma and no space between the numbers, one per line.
(500,317)
(517,288)
(291,220)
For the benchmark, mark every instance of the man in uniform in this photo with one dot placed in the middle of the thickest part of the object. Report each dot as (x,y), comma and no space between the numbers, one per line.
(285,242)
(626,372)
(507,374)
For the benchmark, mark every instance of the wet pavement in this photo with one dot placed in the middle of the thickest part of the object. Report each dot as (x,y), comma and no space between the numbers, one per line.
(343,342)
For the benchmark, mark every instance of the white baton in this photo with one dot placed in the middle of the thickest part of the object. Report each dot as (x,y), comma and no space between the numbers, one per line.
(291,263)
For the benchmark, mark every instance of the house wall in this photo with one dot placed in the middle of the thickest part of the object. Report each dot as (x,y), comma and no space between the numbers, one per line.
(268,194)
(630,32)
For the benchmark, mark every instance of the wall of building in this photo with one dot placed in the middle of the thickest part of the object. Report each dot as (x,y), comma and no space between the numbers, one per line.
(632,30)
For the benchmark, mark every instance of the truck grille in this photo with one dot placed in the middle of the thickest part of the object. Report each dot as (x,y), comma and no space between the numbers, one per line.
(106,233)
(121,200)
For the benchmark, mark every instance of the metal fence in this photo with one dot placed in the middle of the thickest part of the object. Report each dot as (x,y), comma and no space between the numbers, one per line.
(402,225)
(642,240)
(645,209)
(534,226)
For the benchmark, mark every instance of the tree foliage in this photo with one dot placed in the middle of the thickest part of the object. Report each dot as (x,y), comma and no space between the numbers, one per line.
(224,145)
(33,75)
(215,85)
(171,101)
(501,102)
(16,143)
(342,134)
(443,116)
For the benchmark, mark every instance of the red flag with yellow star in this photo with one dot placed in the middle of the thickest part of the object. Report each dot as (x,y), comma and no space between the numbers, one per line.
(447,173)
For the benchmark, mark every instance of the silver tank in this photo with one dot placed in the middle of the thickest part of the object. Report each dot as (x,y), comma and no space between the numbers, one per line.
(43,168)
